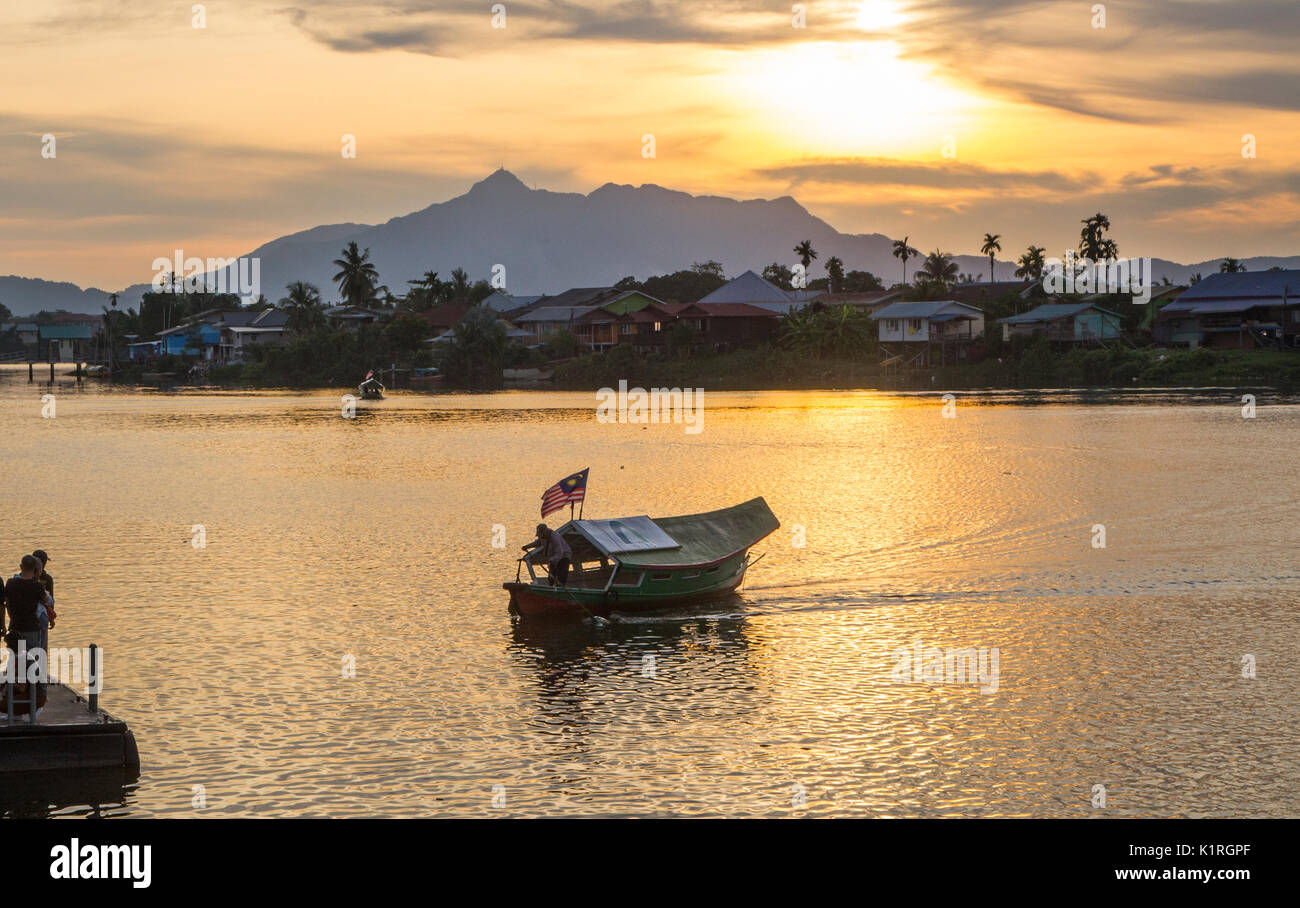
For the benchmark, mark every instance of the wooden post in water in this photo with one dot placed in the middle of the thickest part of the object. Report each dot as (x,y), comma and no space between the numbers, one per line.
(51,371)
(94,678)
(31,371)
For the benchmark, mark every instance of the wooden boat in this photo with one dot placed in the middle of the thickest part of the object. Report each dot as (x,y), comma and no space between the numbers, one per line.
(371,389)
(527,375)
(634,564)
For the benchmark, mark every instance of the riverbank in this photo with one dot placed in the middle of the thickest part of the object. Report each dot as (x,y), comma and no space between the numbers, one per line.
(1037,368)
(777,369)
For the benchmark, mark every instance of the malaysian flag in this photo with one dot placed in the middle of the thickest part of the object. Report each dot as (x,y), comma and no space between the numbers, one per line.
(566,491)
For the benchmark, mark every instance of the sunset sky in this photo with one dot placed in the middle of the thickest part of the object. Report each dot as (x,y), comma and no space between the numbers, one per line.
(218,139)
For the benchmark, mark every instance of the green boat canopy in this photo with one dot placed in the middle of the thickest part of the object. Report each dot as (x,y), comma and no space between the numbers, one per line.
(692,539)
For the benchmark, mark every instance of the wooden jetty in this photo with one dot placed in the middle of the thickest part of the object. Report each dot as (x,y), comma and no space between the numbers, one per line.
(70,732)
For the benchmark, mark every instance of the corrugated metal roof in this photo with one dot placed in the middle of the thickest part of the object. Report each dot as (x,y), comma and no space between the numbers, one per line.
(751,287)
(1209,307)
(1245,284)
(555,314)
(65,332)
(922,309)
(1052,311)
(504,302)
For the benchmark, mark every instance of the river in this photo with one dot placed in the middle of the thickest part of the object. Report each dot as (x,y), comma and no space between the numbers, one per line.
(301,614)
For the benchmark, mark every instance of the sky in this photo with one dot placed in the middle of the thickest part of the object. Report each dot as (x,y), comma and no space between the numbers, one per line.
(936,119)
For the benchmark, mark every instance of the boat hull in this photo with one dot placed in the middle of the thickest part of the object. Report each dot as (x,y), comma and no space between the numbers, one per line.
(680,587)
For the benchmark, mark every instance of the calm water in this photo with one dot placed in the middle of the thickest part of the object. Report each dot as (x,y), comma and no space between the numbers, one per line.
(372,539)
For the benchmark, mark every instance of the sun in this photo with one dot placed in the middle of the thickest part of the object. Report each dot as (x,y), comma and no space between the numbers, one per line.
(878,16)
(849,97)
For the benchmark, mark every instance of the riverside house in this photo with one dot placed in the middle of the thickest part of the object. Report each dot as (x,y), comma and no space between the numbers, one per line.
(911,330)
(550,315)
(1244,310)
(724,326)
(216,335)
(1065,323)
(64,343)
(753,289)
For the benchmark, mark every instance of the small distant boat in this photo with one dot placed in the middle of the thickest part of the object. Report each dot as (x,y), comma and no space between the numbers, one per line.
(633,564)
(426,376)
(527,375)
(371,389)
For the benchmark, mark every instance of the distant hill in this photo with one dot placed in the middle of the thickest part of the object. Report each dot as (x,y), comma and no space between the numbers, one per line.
(26,295)
(550,241)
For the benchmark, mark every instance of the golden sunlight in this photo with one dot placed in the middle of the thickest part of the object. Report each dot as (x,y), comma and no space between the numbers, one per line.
(856,98)
(878,15)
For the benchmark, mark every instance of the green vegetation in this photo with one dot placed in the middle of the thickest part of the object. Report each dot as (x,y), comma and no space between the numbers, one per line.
(1030,365)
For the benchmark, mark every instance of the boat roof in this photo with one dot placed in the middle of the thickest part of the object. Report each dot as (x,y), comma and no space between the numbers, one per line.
(696,538)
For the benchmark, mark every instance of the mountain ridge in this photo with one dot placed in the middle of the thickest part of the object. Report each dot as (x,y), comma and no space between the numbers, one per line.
(549,241)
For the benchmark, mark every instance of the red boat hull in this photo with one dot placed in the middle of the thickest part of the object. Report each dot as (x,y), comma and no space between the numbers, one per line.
(533,602)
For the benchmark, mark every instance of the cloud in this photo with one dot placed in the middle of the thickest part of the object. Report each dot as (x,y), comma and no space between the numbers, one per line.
(915,174)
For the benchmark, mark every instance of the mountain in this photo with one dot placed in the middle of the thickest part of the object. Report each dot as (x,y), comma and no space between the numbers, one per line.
(550,241)
(28,295)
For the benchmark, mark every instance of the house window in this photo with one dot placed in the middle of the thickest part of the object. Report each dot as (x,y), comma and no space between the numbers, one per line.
(627,329)
(891,324)
(659,325)
(914,325)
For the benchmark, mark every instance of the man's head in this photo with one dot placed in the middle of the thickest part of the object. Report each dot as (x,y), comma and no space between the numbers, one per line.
(40,556)
(541,531)
(29,566)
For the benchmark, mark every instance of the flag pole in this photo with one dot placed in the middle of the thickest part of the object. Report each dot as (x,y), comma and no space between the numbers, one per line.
(584,492)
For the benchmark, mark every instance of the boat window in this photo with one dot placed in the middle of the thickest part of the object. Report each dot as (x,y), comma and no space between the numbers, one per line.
(661,576)
(711,570)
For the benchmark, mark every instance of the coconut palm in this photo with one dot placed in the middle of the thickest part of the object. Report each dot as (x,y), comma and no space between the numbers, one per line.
(904,252)
(806,253)
(835,273)
(1231,266)
(357,277)
(991,245)
(303,306)
(1032,264)
(1094,246)
(938,268)
(460,285)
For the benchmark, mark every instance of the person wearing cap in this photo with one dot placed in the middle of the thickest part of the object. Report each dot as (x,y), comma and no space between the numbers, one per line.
(24,594)
(46,581)
(552,548)
(46,613)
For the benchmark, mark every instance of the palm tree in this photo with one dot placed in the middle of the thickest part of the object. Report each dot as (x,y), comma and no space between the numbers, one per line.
(1032,263)
(460,285)
(806,253)
(1231,266)
(835,273)
(357,277)
(904,252)
(1092,245)
(938,268)
(991,245)
(303,306)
